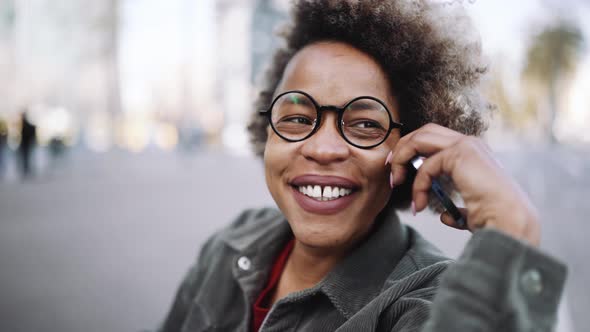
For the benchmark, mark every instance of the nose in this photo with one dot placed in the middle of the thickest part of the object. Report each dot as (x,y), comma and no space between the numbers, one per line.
(326,145)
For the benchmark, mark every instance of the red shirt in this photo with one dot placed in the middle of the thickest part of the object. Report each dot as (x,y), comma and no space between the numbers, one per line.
(260,307)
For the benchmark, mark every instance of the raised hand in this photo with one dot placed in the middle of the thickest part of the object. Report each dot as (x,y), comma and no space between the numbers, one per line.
(492,198)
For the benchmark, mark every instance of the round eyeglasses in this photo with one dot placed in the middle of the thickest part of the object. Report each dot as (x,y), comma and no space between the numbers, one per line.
(364,122)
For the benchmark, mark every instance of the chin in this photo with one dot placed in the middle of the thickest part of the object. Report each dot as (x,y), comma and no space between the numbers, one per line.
(335,228)
(323,232)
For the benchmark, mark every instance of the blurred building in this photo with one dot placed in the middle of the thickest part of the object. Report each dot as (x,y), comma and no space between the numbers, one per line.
(267,17)
(244,47)
(7,72)
(67,54)
(59,55)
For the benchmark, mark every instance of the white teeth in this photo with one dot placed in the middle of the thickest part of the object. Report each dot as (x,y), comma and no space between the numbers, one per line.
(335,192)
(326,193)
(317,191)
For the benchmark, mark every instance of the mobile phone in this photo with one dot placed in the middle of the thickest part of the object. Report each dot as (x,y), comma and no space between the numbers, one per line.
(442,196)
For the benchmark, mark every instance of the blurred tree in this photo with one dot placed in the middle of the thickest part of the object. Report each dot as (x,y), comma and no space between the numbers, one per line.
(513,116)
(551,57)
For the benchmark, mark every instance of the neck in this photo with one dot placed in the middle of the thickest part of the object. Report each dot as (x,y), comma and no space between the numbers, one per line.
(309,265)
(305,267)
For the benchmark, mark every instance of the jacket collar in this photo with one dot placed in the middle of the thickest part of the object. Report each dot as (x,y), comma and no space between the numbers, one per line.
(259,235)
(354,282)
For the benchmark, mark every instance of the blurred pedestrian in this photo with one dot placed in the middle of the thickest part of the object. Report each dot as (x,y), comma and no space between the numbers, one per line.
(3,140)
(57,149)
(28,134)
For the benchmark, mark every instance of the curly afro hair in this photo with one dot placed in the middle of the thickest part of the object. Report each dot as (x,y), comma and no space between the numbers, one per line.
(433,68)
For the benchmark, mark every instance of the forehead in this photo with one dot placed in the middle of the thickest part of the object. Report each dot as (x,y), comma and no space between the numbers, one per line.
(334,73)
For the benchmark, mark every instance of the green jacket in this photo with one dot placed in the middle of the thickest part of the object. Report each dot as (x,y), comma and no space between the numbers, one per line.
(394,281)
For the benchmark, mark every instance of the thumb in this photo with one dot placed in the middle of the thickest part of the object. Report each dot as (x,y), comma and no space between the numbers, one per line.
(448,220)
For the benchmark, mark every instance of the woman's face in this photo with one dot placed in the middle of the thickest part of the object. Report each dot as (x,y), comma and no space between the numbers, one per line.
(333,74)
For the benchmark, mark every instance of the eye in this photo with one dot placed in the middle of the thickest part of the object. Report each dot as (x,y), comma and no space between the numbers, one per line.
(365,124)
(298,120)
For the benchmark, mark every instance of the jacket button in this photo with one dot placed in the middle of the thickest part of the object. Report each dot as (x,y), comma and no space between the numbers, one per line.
(244,263)
(532,282)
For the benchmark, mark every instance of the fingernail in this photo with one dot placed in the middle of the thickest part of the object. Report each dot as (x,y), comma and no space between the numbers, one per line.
(388,159)
(413,208)
(391,180)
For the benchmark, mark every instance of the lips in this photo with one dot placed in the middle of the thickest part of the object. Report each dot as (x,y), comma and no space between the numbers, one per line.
(314,203)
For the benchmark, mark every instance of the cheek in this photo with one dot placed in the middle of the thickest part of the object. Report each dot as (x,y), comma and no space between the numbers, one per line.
(276,160)
(374,162)
(270,159)
(377,175)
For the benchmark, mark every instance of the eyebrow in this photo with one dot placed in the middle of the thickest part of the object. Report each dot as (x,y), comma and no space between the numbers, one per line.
(364,104)
(296,100)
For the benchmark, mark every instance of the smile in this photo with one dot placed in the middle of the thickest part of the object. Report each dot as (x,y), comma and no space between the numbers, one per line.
(326,193)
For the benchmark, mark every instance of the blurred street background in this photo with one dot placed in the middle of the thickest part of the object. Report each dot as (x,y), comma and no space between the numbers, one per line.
(123,145)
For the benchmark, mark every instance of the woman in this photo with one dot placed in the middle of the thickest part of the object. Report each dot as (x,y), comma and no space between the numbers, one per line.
(360,89)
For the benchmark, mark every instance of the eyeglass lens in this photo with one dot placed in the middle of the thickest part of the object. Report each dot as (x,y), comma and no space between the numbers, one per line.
(365,122)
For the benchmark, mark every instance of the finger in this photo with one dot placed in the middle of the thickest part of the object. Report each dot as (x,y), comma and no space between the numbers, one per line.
(428,141)
(448,220)
(401,173)
(430,128)
(420,190)
(432,167)
(425,143)
(436,128)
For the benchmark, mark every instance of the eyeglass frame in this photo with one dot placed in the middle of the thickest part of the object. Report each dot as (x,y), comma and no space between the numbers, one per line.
(320,109)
